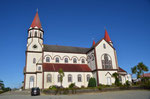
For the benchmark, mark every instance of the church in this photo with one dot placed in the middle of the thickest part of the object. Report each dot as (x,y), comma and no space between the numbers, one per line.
(78,63)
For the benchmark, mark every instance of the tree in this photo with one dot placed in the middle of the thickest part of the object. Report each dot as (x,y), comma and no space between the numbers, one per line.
(61,75)
(116,76)
(1,85)
(92,82)
(139,69)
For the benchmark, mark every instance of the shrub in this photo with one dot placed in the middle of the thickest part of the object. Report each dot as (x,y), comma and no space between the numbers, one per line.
(99,88)
(65,91)
(72,85)
(54,87)
(92,82)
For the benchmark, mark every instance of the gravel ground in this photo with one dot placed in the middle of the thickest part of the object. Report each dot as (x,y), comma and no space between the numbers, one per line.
(130,94)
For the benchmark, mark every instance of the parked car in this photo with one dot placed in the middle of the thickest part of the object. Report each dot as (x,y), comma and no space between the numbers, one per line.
(35,91)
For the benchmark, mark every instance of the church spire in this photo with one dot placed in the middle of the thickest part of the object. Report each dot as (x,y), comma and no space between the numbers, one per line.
(106,37)
(36,21)
(93,42)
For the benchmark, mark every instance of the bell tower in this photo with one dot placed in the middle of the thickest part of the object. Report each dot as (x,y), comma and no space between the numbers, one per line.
(34,55)
(35,35)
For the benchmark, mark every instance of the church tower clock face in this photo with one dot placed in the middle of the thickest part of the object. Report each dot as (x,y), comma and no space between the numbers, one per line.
(35,46)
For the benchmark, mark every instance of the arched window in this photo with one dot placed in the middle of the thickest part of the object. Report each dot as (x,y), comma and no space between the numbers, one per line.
(34,60)
(66,60)
(69,78)
(40,35)
(79,78)
(83,61)
(104,46)
(31,78)
(88,77)
(74,60)
(106,62)
(58,78)
(29,34)
(35,34)
(47,59)
(49,78)
(57,60)
(39,68)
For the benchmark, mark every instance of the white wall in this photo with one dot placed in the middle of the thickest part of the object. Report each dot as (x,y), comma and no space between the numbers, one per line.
(65,79)
(30,66)
(62,56)
(100,51)
(103,76)
(27,84)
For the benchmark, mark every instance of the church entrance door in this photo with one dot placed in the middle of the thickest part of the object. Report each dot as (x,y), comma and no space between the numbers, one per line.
(108,81)
(31,82)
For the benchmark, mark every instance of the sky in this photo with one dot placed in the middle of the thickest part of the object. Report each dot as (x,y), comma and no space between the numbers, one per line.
(74,23)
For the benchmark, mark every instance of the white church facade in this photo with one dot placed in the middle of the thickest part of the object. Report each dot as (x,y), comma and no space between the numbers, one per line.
(79,64)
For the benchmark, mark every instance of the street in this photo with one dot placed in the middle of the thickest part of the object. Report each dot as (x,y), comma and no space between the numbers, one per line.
(129,94)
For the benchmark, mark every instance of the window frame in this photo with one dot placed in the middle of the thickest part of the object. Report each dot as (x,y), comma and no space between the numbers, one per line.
(57,60)
(49,78)
(79,78)
(34,60)
(65,60)
(88,76)
(74,60)
(47,59)
(69,78)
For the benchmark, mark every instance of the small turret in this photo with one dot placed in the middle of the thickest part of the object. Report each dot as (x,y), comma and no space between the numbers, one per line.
(107,38)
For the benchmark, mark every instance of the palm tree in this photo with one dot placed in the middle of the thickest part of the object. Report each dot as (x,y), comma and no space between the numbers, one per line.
(116,76)
(61,74)
(139,69)
(1,84)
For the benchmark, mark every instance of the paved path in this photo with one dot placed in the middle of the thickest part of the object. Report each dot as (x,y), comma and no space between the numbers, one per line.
(131,94)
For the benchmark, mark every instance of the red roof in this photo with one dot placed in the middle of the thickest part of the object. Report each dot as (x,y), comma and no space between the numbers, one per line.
(93,43)
(146,75)
(66,67)
(121,70)
(36,21)
(106,37)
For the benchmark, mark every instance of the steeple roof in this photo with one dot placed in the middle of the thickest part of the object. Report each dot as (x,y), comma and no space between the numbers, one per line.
(106,37)
(36,21)
(93,42)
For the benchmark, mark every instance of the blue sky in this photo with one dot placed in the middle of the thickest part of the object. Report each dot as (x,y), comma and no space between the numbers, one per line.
(74,23)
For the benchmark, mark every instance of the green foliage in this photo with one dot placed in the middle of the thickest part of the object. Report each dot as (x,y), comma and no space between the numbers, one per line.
(139,69)
(1,85)
(61,74)
(99,87)
(53,87)
(127,84)
(92,82)
(116,76)
(72,85)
